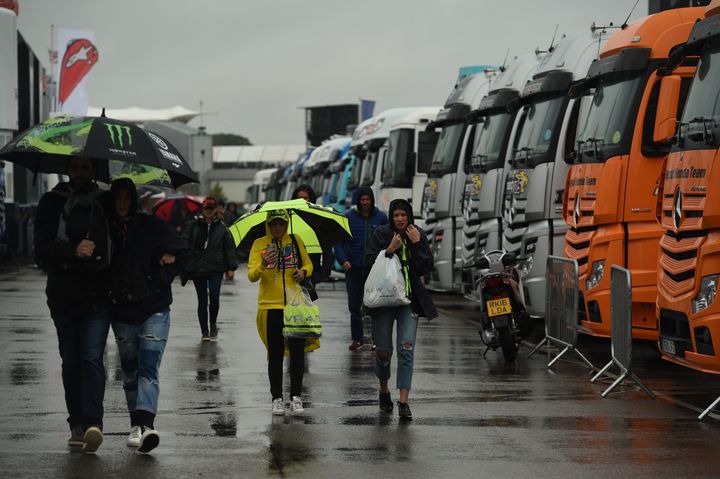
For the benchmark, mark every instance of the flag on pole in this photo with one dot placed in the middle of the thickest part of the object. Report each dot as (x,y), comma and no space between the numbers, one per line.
(366,109)
(76,55)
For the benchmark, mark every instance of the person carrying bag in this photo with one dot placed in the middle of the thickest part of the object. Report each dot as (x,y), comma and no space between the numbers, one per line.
(280,263)
(404,244)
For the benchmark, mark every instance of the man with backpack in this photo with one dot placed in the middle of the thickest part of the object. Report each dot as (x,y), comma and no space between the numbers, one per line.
(72,244)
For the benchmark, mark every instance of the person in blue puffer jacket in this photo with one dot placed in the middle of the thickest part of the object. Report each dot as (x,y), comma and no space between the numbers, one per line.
(363,218)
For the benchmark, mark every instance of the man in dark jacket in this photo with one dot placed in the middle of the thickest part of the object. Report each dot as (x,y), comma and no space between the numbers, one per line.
(212,254)
(401,238)
(141,273)
(364,218)
(71,242)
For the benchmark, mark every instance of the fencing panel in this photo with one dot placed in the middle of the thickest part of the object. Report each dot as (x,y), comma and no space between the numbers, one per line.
(562,299)
(621,316)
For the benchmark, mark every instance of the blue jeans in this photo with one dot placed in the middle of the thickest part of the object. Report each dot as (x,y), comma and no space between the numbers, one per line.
(141,349)
(204,285)
(383,320)
(355,283)
(81,341)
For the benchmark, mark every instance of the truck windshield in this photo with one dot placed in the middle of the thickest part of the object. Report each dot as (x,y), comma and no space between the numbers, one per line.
(490,144)
(354,180)
(399,170)
(605,124)
(542,120)
(701,118)
(447,152)
(368,168)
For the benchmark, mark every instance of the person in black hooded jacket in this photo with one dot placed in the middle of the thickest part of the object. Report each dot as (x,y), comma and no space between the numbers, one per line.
(322,262)
(146,257)
(402,238)
(212,254)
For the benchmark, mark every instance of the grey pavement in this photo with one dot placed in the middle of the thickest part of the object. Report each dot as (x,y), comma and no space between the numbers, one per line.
(473,417)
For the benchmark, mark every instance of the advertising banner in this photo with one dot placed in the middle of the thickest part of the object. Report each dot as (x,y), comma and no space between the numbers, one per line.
(75,57)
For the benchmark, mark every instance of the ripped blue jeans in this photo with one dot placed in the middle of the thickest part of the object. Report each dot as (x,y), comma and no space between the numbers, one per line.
(141,349)
(383,320)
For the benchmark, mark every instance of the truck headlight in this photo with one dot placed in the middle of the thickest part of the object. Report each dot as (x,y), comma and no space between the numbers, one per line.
(596,274)
(525,265)
(706,295)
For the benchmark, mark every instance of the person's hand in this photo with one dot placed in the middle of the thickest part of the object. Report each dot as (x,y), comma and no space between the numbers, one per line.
(298,275)
(346,265)
(85,248)
(412,233)
(230,275)
(167,258)
(395,243)
(269,258)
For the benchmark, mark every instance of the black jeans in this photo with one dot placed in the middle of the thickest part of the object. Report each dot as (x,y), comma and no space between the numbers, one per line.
(276,354)
(212,284)
(355,283)
(81,341)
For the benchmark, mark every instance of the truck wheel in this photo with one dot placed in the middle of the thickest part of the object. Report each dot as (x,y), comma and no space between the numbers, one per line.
(507,343)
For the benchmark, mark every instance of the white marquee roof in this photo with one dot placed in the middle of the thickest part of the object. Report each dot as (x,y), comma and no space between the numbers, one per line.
(142,115)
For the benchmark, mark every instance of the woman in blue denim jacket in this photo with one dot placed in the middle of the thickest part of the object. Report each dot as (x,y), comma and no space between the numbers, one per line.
(402,238)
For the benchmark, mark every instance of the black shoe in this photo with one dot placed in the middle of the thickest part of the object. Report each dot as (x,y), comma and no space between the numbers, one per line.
(213,332)
(404,411)
(386,403)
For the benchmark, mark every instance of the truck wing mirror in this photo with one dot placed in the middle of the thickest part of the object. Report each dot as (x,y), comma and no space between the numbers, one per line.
(665,117)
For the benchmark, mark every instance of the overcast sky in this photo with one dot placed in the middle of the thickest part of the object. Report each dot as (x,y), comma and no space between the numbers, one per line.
(254,63)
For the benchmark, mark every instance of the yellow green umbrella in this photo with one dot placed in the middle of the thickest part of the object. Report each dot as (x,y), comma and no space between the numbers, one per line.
(319,227)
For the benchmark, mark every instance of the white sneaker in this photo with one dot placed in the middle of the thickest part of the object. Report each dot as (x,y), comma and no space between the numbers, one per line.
(149,440)
(296,406)
(133,439)
(278,408)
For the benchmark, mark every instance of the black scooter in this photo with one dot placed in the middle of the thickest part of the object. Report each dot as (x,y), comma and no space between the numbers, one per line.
(504,320)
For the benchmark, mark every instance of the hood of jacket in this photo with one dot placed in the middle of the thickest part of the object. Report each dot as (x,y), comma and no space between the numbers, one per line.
(127,185)
(403,205)
(305,187)
(362,191)
(271,215)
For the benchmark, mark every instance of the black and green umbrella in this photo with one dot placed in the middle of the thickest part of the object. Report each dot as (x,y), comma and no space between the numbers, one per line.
(319,227)
(122,150)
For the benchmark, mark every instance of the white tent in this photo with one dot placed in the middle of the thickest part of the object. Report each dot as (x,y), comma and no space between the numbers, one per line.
(144,115)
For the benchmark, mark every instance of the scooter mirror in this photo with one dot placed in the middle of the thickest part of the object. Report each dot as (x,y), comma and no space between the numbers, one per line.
(509,259)
(483,263)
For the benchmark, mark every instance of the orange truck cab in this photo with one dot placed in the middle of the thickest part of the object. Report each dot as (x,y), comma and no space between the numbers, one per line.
(689,269)
(610,195)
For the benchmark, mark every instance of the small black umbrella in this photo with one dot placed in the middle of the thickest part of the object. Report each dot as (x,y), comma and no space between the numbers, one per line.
(123,149)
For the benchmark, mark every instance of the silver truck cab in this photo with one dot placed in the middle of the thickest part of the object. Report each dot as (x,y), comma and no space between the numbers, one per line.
(497,124)
(314,170)
(533,227)
(410,151)
(443,192)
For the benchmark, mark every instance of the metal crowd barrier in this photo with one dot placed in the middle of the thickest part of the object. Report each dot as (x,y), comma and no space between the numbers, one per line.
(621,330)
(561,308)
(710,408)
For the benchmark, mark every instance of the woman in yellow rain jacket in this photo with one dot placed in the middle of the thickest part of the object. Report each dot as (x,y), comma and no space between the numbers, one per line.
(274,261)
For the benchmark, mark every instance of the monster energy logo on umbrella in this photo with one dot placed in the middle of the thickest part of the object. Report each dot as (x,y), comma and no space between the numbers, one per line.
(117,133)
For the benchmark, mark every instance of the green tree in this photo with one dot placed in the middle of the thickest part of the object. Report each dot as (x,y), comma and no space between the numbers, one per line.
(230,139)
(217,192)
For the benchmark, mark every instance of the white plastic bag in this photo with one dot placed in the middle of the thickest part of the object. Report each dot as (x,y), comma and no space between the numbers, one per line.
(385,285)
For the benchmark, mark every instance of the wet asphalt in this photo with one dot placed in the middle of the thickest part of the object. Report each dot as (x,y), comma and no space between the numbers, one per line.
(473,416)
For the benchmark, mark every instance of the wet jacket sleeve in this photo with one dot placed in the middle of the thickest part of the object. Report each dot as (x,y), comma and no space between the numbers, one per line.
(255,267)
(47,246)
(421,259)
(229,250)
(340,253)
(172,243)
